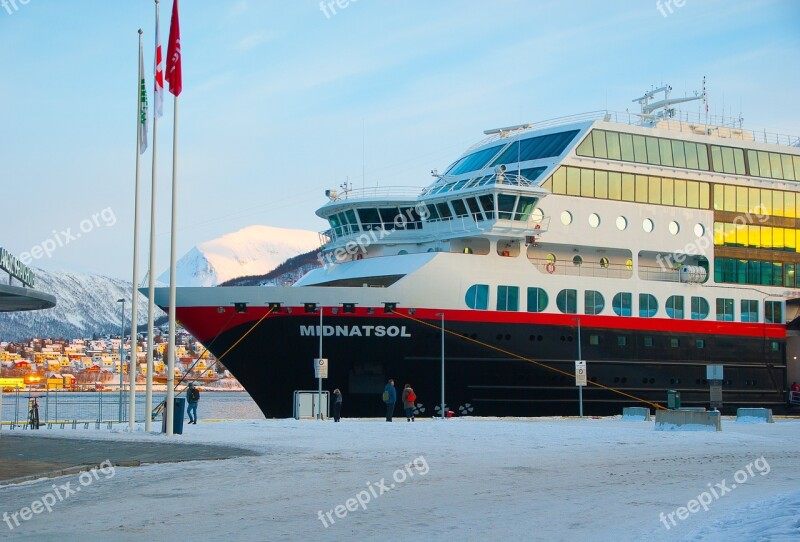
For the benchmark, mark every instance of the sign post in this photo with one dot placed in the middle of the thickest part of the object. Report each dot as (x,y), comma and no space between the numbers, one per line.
(714,376)
(320,372)
(580,381)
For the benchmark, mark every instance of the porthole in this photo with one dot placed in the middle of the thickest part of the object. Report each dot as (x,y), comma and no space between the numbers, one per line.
(566,218)
(699,230)
(577,261)
(594,220)
(652,380)
(537,215)
(622,223)
(674,228)
(647,225)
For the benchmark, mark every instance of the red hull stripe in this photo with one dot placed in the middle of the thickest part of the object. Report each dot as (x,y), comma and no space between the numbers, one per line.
(206,322)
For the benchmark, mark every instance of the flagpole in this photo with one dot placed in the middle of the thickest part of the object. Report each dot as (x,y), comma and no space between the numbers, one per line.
(148,407)
(172,278)
(174,77)
(135,294)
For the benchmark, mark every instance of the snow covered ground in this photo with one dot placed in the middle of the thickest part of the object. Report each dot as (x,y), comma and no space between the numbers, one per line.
(460,479)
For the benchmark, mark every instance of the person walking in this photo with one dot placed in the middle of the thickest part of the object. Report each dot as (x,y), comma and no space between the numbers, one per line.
(192,398)
(337,405)
(409,399)
(390,398)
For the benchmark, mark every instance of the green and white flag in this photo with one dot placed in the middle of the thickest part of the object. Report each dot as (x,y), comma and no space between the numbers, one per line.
(142,104)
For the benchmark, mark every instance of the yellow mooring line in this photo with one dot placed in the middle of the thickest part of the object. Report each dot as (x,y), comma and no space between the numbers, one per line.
(523,358)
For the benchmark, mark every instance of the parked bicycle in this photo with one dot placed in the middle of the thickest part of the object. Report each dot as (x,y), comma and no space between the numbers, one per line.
(33,411)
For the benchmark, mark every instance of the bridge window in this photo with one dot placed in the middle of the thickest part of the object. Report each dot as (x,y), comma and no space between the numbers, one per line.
(505,205)
(478,297)
(487,202)
(474,161)
(475,209)
(444,210)
(459,207)
(534,148)
(370,218)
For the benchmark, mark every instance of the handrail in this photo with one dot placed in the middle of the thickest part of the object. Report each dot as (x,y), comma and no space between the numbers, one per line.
(400,192)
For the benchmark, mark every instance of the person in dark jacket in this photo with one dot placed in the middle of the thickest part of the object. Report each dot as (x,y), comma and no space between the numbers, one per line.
(408,402)
(391,398)
(337,405)
(192,398)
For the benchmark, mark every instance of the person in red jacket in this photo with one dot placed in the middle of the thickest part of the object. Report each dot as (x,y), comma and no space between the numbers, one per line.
(409,399)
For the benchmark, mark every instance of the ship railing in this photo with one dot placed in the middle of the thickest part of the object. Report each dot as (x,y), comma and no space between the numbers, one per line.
(383,192)
(680,121)
(585,269)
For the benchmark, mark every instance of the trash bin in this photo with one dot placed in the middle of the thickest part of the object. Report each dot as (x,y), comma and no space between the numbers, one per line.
(177,420)
(450,414)
(673,399)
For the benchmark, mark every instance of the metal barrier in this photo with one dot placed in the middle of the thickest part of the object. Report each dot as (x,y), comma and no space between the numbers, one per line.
(62,409)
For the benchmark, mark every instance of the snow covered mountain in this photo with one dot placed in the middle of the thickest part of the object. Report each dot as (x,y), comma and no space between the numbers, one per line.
(86,305)
(255,250)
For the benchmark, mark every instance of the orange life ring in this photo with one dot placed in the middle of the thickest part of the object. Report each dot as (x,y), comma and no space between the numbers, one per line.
(550,267)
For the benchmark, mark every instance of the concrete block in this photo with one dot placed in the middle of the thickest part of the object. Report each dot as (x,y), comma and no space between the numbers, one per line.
(640,414)
(688,420)
(754,415)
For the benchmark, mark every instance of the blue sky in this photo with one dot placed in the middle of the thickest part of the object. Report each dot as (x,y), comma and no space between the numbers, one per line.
(279,100)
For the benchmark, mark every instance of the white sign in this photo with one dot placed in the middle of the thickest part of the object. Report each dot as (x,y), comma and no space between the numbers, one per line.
(713,372)
(580,372)
(320,368)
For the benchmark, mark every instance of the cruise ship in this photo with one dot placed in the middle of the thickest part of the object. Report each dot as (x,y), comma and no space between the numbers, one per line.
(650,245)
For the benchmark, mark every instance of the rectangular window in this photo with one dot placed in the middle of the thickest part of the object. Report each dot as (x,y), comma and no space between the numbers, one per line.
(652,151)
(505,205)
(478,297)
(777,203)
(665,149)
(719,197)
(680,193)
(622,340)
(654,190)
(587,183)
(537,300)
(773,312)
(730,198)
(639,149)
(775,165)
(612,145)
(691,155)
(693,194)
(738,159)
(573,181)
(599,144)
(628,187)
(702,156)
(614,185)
(459,207)
(749,310)
(443,208)
(674,342)
(763,164)
(641,188)
(788,167)
(585,148)
(700,343)
(560,181)
(667,191)
(678,153)
(507,298)
(648,341)
(601,184)
(716,158)
(724,310)
(487,202)
(594,340)
(752,161)
(626,147)
(705,194)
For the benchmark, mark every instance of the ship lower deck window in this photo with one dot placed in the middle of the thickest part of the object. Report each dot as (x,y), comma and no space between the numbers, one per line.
(648,342)
(700,343)
(622,340)
(593,302)
(675,307)
(674,342)
(622,304)
(648,306)
(749,310)
(700,308)
(567,301)
(537,300)
(477,297)
(594,340)
(773,312)
(725,310)
(507,298)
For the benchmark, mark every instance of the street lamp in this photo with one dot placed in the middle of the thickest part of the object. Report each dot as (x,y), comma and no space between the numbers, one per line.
(311,307)
(121,350)
(442,327)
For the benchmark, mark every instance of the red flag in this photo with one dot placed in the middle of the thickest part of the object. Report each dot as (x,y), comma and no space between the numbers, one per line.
(173,75)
